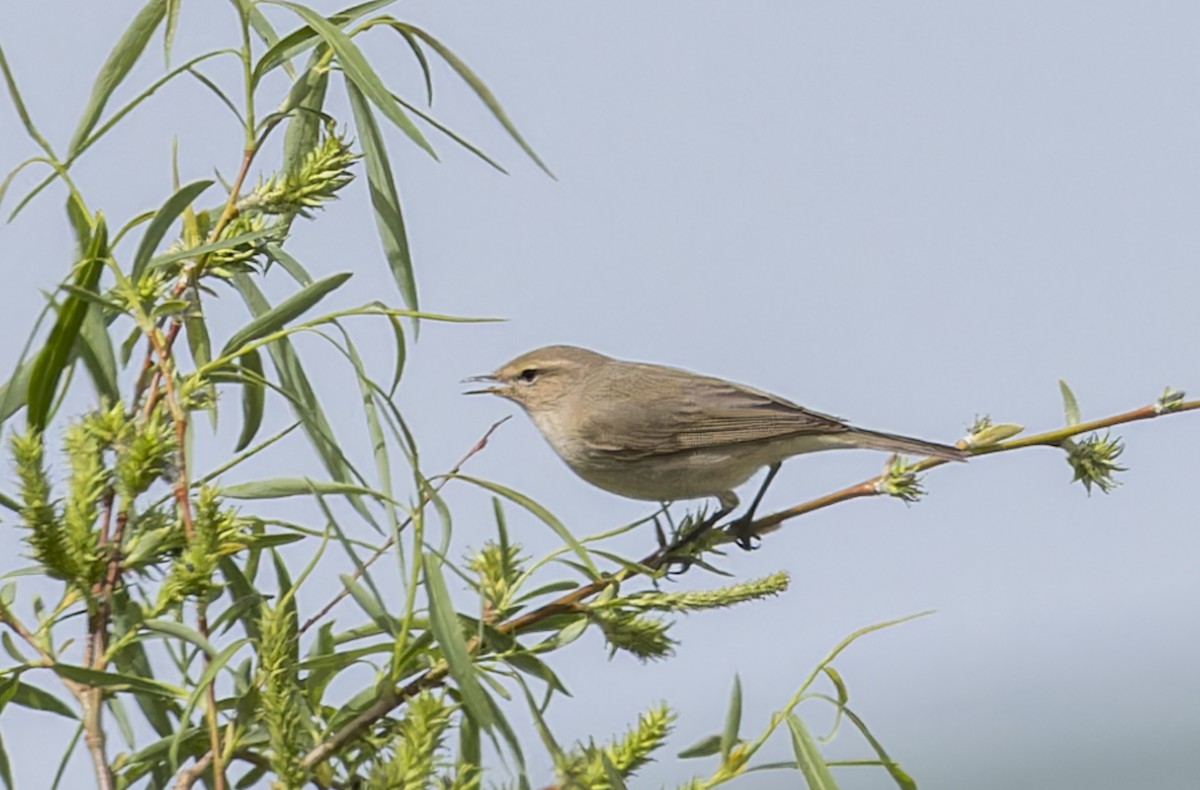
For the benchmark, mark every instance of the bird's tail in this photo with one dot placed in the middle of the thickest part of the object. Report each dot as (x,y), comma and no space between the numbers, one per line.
(891,443)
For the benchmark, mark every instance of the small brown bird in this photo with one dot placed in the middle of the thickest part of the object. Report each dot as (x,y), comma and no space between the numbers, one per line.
(663,434)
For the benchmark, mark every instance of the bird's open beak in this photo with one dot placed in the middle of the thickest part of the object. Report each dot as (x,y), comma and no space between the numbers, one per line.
(495,389)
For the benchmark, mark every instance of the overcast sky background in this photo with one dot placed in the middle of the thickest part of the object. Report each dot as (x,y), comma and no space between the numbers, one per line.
(903,213)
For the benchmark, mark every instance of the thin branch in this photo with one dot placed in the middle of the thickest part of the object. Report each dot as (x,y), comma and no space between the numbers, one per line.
(391,541)
(1055,438)
(570,602)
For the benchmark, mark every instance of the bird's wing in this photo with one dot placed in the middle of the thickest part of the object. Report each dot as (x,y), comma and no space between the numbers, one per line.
(659,417)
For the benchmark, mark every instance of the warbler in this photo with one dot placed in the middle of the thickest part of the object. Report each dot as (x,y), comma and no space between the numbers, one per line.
(663,434)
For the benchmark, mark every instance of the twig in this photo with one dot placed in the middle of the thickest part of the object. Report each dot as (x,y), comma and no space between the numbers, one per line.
(570,601)
(379,552)
(1055,438)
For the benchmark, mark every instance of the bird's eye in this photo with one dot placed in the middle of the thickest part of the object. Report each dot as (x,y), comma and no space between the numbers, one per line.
(528,375)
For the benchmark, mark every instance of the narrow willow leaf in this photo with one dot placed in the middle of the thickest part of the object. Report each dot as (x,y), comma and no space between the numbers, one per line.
(304,38)
(33,697)
(181,631)
(169,32)
(290,265)
(294,306)
(1070,405)
(215,665)
(476,84)
(204,249)
(126,52)
(295,386)
(163,219)
(898,774)
(133,660)
(385,200)
(220,94)
(244,594)
(50,363)
(443,621)
(262,26)
(305,103)
(705,747)
(544,515)
(6,767)
(22,112)
(371,604)
(422,61)
(453,135)
(199,343)
(808,756)
(117,682)
(15,391)
(733,719)
(282,487)
(358,70)
(367,388)
(254,398)
(121,716)
(401,354)
(95,348)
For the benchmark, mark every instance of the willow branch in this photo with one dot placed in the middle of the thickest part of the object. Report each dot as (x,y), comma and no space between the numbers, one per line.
(1055,438)
(391,541)
(570,602)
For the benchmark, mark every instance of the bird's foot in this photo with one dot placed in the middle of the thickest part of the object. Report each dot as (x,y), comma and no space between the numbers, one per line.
(745,538)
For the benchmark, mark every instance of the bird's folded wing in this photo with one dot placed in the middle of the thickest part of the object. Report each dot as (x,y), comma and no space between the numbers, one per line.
(703,413)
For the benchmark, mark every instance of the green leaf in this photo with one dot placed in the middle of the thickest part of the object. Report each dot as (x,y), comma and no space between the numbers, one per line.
(95,348)
(733,719)
(544,515)
(37,699)
(292,307)
(1070,405)
(370,604)
(302,39)
(282,487)
(207,677)
(294,384)
(53,358)
(385,200)
(808,756)
(126,52)
(485,95)
(705,747)
(305,102)
(113,681)
(181,631)
(898,774)
(5,766)
(204,249)
(358,70)
(163,219)
(172,15)
(254,398)
(22,113)
(443,621)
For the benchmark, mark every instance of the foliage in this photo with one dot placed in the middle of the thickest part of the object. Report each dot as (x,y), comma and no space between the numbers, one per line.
(190,602)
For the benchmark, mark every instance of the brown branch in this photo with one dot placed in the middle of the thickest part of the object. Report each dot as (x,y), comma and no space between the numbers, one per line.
(1055,438)
(210,708)
(569,602)
(391,541)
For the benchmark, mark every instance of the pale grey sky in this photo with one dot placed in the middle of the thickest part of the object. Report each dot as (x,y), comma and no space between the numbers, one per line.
(903,213)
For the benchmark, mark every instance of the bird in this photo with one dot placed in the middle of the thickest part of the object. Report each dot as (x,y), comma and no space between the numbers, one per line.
(663,434)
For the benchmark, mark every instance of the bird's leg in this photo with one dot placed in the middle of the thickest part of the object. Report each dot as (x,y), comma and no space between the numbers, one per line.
(740,527)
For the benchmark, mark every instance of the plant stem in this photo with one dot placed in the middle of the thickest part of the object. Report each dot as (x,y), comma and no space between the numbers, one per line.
(570,601)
